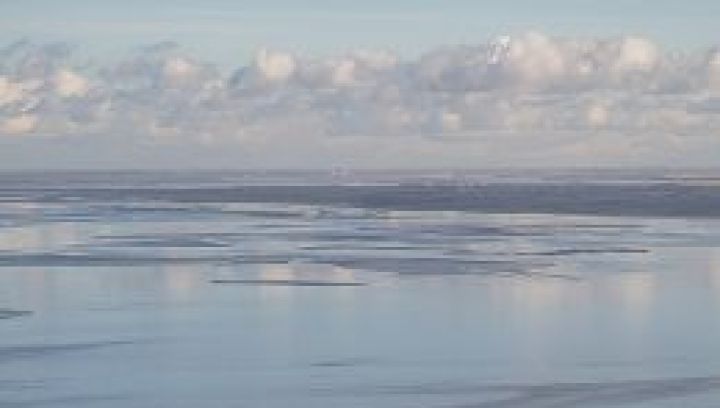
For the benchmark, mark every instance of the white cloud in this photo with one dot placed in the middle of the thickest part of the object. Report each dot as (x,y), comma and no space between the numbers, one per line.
(635,54)
(9,91)
(177,69)
(14,92)
(713,69)
(534,59)
(597,115)
(530,91)
(19,124)
(274,66)
(451,121)
(68,83)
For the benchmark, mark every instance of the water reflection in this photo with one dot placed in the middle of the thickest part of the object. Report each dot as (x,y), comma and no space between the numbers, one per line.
(273,294)
(182,282)
(635,294)
(39,238)
(531,298)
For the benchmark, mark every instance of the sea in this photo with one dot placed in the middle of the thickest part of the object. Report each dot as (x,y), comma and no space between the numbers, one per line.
(500,288)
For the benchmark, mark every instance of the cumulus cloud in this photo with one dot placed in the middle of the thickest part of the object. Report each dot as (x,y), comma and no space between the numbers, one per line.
(526,91)
(22,123)
(597,115)
(635,54)
(68,83)
(274,66)
(10,91)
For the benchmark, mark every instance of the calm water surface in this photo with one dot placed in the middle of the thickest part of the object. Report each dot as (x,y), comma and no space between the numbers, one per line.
(124,299)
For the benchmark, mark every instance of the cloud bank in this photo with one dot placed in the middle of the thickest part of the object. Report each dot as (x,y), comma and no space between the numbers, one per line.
(529,96)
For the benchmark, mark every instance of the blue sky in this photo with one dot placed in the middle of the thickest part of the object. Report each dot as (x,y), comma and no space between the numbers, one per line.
(230,31)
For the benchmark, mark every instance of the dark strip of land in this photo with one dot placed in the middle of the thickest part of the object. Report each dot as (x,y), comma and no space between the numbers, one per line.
(273,282)
(637,200)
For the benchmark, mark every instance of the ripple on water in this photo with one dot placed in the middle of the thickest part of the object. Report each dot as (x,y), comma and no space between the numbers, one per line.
(10,314)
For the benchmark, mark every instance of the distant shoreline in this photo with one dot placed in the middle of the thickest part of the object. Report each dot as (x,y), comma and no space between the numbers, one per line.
(637,199)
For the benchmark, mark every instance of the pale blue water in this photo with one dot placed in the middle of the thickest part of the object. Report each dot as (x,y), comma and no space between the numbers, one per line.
(107,296)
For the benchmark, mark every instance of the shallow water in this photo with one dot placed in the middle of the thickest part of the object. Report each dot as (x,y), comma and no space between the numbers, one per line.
(130,300)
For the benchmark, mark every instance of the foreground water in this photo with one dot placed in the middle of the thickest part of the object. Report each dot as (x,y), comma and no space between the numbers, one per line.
(369,290)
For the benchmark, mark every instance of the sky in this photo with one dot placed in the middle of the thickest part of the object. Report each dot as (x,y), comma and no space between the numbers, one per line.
(229,31)
(328,83)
